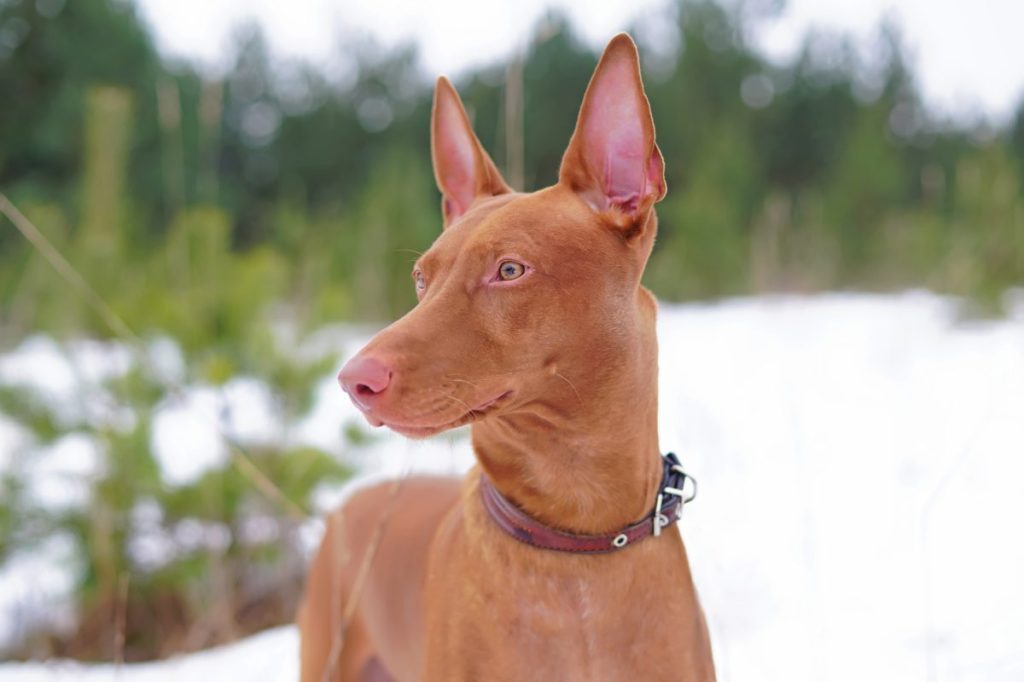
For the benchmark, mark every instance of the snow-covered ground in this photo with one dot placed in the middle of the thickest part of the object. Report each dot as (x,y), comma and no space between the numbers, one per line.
(860,461)
(270,656)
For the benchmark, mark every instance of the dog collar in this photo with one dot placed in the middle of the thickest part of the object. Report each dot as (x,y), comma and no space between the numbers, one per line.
(673,494)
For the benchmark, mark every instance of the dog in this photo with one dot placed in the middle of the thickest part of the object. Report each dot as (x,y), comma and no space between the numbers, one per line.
(555,557)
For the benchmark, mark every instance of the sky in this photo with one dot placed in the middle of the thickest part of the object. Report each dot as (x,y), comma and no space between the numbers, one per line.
(968,57)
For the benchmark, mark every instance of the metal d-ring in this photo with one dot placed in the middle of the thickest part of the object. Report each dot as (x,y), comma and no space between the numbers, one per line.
(658,516)
(684,498)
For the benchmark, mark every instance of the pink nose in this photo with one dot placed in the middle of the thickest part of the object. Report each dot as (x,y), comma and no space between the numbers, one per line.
(364,378)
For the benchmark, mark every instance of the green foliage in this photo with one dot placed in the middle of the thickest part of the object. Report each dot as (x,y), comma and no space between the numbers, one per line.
(48,63)
(10,519)
(32,412)
(206,550)
(197,205)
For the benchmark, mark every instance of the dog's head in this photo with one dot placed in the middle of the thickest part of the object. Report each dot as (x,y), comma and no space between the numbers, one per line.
(523,297)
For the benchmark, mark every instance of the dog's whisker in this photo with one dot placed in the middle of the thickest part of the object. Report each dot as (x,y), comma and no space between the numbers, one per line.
(461,402)
(516,370)
(461,381)
(571,385)
(418,254)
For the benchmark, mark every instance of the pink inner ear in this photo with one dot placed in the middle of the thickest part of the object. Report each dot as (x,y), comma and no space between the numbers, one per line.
(618,144)
(455,160)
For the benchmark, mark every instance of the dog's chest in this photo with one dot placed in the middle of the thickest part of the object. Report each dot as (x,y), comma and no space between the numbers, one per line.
(558,628)
(500,610)
(557,607)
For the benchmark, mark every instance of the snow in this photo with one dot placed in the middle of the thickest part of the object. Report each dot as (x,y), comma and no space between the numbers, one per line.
(34,585)
(59,476)
(269,656)
(188,424)
(859,460)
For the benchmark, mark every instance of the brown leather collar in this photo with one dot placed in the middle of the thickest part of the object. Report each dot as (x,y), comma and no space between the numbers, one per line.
(672,495)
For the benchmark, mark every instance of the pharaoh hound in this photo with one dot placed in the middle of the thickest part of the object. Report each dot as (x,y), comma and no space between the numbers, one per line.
(557,556)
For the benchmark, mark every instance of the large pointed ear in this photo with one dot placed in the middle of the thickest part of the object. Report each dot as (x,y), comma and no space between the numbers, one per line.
(462,168)
(612,161)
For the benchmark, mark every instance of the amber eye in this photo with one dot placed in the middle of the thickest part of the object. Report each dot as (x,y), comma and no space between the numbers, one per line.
(421,282)
(510,269)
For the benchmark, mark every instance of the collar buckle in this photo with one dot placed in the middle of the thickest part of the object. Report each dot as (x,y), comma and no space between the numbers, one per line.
(677,489)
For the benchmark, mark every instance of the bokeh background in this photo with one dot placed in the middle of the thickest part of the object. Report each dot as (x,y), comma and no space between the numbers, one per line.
(241,189)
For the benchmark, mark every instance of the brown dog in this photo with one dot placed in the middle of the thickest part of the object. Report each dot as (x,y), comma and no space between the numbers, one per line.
(533,326)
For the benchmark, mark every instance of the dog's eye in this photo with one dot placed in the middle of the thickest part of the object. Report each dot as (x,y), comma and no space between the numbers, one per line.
(421,281)
(510,269)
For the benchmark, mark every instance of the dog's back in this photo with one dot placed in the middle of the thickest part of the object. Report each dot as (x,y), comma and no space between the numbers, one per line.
(374,550)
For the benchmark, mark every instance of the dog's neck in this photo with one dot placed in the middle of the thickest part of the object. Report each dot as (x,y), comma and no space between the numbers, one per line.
(585,457)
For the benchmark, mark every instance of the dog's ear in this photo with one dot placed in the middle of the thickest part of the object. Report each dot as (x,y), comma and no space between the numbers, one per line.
(612,161)
(462,168)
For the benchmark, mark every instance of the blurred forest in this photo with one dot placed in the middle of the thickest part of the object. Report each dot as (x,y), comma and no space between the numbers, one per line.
(212,211)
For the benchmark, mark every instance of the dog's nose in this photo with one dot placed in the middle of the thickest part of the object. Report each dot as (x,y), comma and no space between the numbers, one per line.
(363,378)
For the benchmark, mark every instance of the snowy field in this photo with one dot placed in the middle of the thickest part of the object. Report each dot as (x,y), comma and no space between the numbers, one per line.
(860,516)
